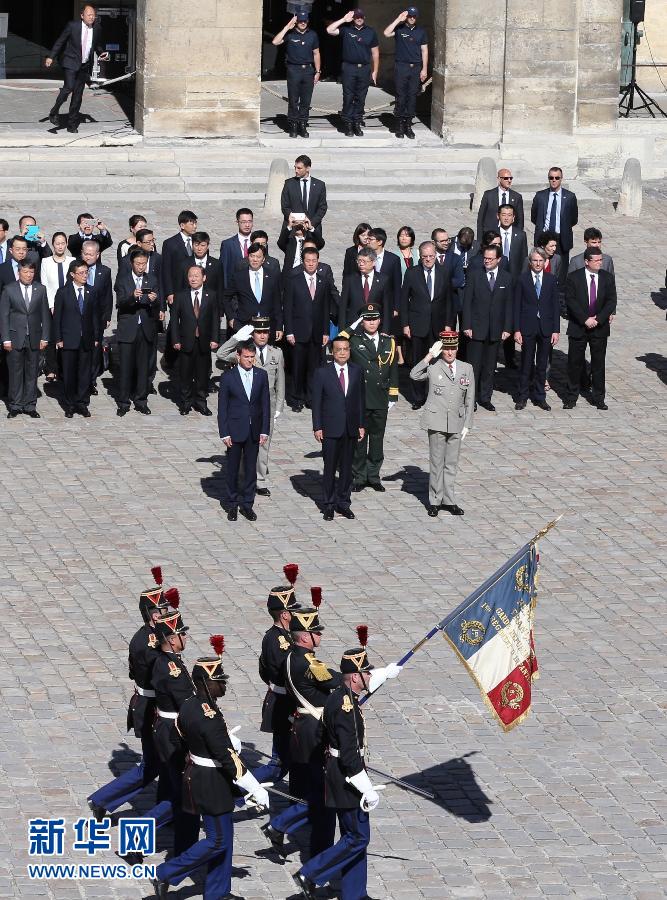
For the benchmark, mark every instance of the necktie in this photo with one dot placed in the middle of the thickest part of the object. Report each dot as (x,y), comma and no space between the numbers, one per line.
(245,248)
(61,276)
(81,301)
(593,298)
(451,369)
(504,198)
(312,287)
(429,283)
(538,285)
(367,290)
(441,258)
(246,383)
(304,194)
(341,379)
(195,309)
(257,290)
(2,254)
(261,355)
(408,261)
(91,276)
(188,247)
(27,298)
(554,208)
(492,280)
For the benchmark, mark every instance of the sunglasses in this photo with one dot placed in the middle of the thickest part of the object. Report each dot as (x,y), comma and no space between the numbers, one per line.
(507,177)
(555,177)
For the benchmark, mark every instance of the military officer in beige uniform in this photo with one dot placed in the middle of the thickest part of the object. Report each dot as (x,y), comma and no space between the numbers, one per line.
(446,415)
(270,359)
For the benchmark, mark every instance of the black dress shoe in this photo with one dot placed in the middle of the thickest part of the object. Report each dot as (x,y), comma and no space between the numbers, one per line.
(305,885)
(184,410)
(357,130)
(454,509)
(349,130)
(417,405)
(377,486)
(569,404)
(33,414)
(400,129)
(232,515)
(276,837)
(249,513)
(84,411)
(346,513)
(203,410)
(601,405)
(409,133)
(161,888)
(13,413)
(542,404)
(121,411)
(487,405)
(144,410)
(69,413)
(298,407)
(520,404)
(94,391)
(303,130)
(54,118)
(328,515)
(99,812)
(73,129)
(293,130)
(433,511)
(357,488)
(263,492)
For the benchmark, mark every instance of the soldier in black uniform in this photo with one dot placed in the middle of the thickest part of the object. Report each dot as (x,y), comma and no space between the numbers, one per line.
(410,67)
(376,354)
(361,60)
(214,772)
(348,788)
(303,70)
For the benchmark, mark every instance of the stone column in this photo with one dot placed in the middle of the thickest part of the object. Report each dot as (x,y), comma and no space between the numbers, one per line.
(599,62)
(198,75)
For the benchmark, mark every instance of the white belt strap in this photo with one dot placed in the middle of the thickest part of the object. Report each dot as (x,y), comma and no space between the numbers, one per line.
(143,692)
(167,715)
(276,689)
(336,753)
(313,711)
(205,761)
(306,709)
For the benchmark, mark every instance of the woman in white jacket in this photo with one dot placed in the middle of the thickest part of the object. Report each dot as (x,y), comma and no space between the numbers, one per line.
(53,275)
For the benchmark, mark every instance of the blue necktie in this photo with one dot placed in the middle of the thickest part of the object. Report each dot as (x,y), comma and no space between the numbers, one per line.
(257,289)
(81,300)
(538,285)
(91,276)
(552,215)
(429,283)
(2,255)
(61,275)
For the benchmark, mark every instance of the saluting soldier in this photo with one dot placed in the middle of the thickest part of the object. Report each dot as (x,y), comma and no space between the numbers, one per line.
(349,789)
(361,61)
(410,67)
(447,416)
(376,354)
(303,70)
(214,770)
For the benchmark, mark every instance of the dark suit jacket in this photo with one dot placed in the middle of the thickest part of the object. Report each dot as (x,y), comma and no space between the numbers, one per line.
(487,313)
(69,326)
(569,215)
(292,201)
(417,310)
(271,264)
(238,417)
(18,323)
(325,272)
(306,318)
(390,270)
(75,242)
(474,248)
(352,299)
(174,256)
(104,291)
(134,313)
(527,305)
(230,257)
(453,265)
(518,252)
(241,304)
(476,264)
(288,244)
(336,413)
(213,277)
(7,275)
(184,324)
(487,217)
(67,48)
(350,261)
(154,268)
(577,302)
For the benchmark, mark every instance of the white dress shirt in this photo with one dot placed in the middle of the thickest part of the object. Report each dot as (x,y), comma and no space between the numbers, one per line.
(86,41)
(48,274)
(346,375)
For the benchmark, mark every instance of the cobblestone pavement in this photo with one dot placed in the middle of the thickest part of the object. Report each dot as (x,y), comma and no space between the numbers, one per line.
(571,803)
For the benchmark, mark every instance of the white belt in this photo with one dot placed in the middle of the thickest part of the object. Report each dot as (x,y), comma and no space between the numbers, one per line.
(276,688)
(167,715)
(143,692)
(336,753)
(205,761)
(314,711)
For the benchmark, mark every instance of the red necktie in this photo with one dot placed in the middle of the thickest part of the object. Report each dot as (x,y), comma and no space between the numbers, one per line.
(441,258)
(245,248)
(367,290)
(341,379)
(593,298)
(311,278)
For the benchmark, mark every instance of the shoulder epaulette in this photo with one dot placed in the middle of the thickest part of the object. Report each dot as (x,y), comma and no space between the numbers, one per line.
(319,670)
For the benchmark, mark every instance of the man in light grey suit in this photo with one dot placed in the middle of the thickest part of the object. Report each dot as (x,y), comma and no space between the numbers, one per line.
(270,359)
(592,238)
(446,415)
(25,326)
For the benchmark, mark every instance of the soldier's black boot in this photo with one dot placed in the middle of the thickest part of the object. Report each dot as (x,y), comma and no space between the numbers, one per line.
(409,133)
(293,130)
(303,129)
(400,130)
(357,129)
(349,129)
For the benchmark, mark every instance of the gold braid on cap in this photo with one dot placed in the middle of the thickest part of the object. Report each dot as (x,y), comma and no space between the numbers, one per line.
(283,596)
(357,658)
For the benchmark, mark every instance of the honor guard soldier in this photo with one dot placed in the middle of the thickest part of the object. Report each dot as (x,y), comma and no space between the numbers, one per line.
(361,60)
(410,67)
(303,70)
(172,685)
(143,651)
(376,354)
(446,415)
(213,773)
(348,787)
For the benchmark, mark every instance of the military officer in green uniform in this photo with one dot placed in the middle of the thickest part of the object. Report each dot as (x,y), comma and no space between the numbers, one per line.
(376,354)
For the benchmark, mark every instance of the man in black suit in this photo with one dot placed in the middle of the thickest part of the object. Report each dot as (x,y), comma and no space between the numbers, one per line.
(146,242)
(555,209)
(201,256)
(291,240)
(306,308)
(77,328)
(17,253)
(90,229)
(427,308)
(388,265)
(325,271)
(74,50)
(363,287)
(255,292)
(514,244)
(244,422)
(503,195)
(195,329)
(25,323)
(590,296)
(487,319)
(176,251)
(99,277)
(465,246)
(138,307)
(339,420)
(537,328)
(304,194)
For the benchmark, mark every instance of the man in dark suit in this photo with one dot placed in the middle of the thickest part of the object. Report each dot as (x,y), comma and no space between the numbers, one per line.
(74,50)
(25,324)
(99,277)
(77,328)
(503,195)
(17,253)
(306,309)
(325,272)
(291,241)
(235,249)
(465,245)
(138,307)
(244,422)
(537,328)
(555,209)
(513,240)
(195,329)
(445,256)
(254,292)
(487,319)
(146,242)
(90,229)
(590,296)
(339,420)
(304,194)
(388,265)
(176,251)
(201,256)
(427,308)
(364,287)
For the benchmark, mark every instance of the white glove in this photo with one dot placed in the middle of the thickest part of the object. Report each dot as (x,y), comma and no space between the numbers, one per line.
(255,793)
(436,348)
(236,743)
(276,414)
(464,432)
(244,333)
(379,676)
(392,404)
(369,796)
(355,324)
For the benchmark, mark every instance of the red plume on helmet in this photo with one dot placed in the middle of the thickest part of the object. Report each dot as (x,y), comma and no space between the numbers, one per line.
(362,634)
(217,641)
(172,596)
(291,571)
(316,596)
(156,572)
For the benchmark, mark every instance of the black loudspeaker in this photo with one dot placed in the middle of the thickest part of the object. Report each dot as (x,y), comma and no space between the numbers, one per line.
(637,9)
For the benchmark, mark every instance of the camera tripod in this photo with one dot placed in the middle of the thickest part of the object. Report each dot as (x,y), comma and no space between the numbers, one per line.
(632,90)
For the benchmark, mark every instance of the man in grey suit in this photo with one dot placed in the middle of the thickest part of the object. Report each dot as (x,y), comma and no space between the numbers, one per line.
(270,359)
(446,415)
(592,238)
(25,326)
